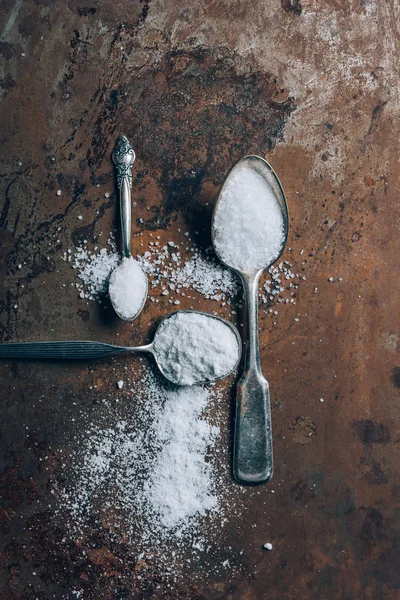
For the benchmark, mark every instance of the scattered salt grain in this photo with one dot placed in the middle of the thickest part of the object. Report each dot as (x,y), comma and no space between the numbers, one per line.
(151,472)
(80,217)
(330,279)
(248,222)
(268,546)
(321,400)
(120,384)
(128,288)
(58,192)
(94,270)
(192,348)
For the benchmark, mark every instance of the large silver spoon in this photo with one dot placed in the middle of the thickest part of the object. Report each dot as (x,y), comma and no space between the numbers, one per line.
(171,351)
(232,224)
(128,284)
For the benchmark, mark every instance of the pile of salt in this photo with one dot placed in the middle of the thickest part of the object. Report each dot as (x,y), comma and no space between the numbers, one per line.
(248,223)
(192,348)
(128,288)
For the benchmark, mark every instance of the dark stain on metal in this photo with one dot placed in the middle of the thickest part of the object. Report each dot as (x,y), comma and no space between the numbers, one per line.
(292,6)
(395,377)
(370,432)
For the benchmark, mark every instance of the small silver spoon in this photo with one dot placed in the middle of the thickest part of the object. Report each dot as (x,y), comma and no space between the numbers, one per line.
(79,350)
(253,456)
(123,158)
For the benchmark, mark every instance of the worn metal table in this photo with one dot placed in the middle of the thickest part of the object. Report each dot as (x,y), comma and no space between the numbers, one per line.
(311,85)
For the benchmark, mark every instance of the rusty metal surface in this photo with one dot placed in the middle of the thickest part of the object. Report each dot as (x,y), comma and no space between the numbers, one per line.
(313,86)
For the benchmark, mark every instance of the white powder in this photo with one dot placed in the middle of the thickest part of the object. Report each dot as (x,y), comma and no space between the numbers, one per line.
(150,472)
(179,486)
(193,348)
(94,269)
(128,288)
(248,223)
(202,272)
(174,277)
(151,468)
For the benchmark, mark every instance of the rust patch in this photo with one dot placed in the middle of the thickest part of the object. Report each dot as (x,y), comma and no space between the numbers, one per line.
(395,377)
(302,430)
(370,432)
(207,108)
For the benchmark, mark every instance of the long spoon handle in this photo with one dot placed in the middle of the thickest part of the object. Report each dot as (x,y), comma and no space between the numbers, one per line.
(74,350)
(123,158)
(252,458)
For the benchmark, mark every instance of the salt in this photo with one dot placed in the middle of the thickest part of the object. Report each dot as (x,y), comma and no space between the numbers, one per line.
(153,469)
(128,288)
(193,348)
(173,489)
(248,222)
(268,546)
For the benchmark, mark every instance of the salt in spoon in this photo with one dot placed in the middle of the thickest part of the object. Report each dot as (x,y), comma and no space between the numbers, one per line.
(128,284)
(166,348)
(260,202)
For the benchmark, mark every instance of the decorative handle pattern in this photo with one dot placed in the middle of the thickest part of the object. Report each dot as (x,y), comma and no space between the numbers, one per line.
(123,158)
(74,350)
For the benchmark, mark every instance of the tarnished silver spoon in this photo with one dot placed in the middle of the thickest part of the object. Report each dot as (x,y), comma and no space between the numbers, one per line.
(128,284)
(166,349)
(253,457)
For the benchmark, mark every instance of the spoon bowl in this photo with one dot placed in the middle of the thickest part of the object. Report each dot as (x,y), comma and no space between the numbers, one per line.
(251,200)
(217,324)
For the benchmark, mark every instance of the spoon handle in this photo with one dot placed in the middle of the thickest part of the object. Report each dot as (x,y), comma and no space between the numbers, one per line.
(123,158)
(253,458)
(74,350)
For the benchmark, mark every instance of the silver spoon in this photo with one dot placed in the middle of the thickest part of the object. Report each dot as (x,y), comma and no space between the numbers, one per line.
(79,350)
(253,456)
(123,158)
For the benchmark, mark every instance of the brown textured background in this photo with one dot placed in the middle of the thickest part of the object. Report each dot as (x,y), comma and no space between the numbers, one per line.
(313,86)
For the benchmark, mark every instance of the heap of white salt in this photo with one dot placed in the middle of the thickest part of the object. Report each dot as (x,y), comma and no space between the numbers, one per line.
(179,485)
(248,223)
(128,289)
(195,348)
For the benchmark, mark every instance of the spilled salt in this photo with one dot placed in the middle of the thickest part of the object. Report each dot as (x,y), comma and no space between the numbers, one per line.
(192,348)
(173,489)
(128,288)
(268,546)
(248,223)
(152,470)
(173,276)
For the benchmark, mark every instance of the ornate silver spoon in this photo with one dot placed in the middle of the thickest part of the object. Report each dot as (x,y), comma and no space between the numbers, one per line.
(127,295)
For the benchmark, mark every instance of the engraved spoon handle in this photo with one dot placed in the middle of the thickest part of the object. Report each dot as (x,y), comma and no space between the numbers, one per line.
(73,350)
(253,458)
(123,158)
